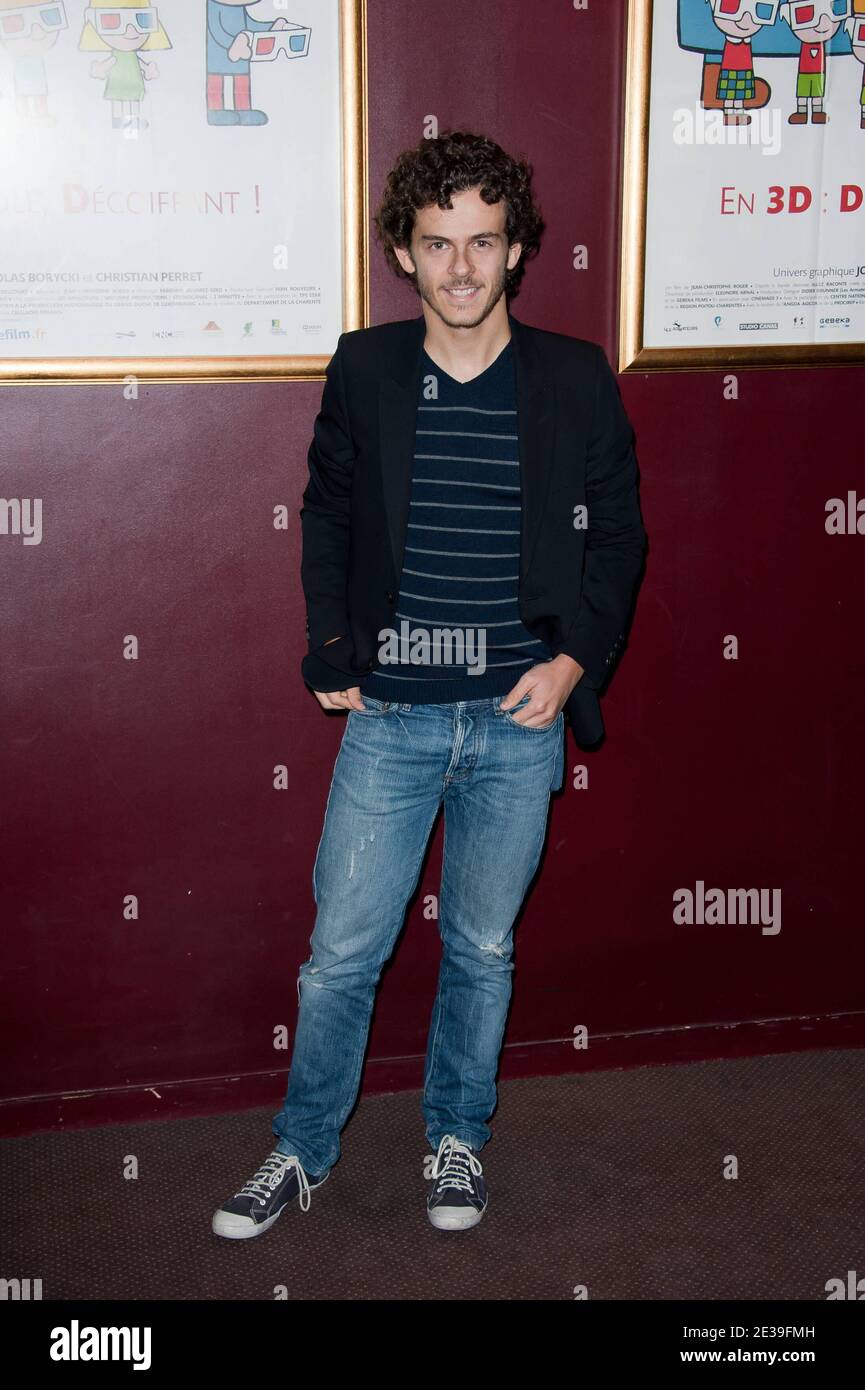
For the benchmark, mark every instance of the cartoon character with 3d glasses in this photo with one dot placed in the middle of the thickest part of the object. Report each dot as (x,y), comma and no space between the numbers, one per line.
(234,41)
(28,29)
(697,32)
(739,21)
(123,29)
(814,23)
(855,27)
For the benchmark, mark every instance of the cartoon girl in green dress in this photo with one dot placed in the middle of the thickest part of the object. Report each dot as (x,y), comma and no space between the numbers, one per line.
(124,28)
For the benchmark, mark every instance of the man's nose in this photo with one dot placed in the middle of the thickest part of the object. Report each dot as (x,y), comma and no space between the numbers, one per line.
(460,265)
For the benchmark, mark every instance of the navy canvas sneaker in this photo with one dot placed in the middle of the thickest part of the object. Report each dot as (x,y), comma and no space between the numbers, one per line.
(253,1209)
(458,1191)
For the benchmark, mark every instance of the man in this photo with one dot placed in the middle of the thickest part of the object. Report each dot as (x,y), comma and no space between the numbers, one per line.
(473,477)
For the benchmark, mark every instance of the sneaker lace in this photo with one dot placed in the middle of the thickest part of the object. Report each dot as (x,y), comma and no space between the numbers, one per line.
(454,1164)
(270,1174)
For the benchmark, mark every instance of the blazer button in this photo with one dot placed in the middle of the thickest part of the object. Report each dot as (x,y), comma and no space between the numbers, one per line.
(389,596)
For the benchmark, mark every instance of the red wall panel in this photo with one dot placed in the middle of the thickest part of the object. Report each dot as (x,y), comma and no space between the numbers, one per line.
(155,777)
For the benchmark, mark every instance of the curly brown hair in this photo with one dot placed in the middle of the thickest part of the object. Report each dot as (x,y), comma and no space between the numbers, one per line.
(452,162)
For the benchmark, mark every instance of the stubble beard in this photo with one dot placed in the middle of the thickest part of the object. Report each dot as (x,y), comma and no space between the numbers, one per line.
(428,295)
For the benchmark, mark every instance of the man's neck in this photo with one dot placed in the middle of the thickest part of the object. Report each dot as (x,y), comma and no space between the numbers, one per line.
(466,352)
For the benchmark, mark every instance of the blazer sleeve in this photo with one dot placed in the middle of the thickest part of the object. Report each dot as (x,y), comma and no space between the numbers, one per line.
(615,537)
(324,515)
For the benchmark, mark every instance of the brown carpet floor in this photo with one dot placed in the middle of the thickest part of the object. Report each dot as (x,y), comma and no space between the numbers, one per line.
(613,1180)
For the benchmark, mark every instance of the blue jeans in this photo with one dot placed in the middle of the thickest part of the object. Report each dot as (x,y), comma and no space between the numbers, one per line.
(396,764)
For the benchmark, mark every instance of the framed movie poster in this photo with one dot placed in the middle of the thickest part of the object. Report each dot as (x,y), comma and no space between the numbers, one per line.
(182,188)
(743,233)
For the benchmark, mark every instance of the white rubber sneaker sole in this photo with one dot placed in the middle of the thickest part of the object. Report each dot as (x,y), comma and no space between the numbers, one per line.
(454,1218)
(234,1227)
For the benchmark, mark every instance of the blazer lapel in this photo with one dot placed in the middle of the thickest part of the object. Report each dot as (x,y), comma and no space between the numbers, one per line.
(398,400)
(397,419)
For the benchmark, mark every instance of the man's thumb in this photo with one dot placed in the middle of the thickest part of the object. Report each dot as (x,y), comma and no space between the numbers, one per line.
(514,696)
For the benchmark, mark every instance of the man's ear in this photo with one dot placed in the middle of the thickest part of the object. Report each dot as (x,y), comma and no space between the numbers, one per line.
(405,260)
(515,250)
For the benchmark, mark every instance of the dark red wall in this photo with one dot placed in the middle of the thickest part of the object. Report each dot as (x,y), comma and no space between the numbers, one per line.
(154,777)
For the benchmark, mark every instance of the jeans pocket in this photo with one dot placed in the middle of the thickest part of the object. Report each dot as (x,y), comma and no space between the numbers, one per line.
(373,706)
(527,728)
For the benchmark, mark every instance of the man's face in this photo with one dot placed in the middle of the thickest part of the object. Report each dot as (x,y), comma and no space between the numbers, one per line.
(461,256)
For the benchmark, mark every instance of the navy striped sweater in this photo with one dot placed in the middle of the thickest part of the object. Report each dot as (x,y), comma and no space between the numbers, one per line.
(457,633)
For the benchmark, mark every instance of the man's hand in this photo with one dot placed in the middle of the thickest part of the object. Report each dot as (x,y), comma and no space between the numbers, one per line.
(339,699)
(549,684)
(342,699)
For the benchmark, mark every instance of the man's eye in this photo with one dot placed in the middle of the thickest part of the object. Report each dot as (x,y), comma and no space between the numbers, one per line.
(481,241)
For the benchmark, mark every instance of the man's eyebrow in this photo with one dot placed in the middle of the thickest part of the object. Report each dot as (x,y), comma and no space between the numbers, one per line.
(489,235)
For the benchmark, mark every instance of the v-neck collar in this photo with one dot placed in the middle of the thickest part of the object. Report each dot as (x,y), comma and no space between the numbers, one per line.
(473,380)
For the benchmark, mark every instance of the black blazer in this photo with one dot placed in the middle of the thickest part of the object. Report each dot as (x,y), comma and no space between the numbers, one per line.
(576,586)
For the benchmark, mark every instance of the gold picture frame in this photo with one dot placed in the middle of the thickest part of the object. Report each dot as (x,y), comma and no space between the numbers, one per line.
(633,354)
(352,16)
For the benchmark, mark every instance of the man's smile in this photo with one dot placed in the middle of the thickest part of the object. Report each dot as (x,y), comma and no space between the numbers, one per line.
(462,293)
